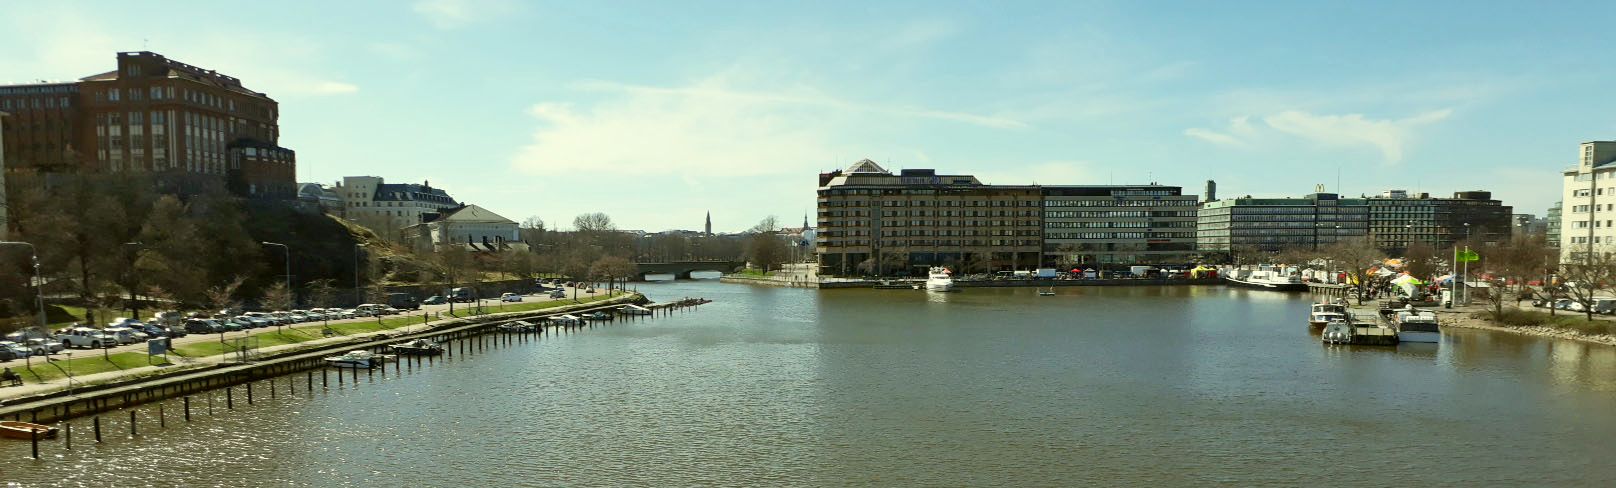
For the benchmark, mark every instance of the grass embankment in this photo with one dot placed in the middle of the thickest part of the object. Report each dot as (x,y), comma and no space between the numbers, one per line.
(89,362)
(309,332)
(1570,321)
(755,273)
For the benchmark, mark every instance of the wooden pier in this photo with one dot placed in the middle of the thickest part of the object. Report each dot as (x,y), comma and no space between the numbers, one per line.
(464,339)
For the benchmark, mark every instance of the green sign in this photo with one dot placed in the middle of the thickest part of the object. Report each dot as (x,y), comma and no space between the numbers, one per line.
(1467,255)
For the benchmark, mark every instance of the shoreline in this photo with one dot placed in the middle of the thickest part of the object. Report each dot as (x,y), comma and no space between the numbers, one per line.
(1465,318)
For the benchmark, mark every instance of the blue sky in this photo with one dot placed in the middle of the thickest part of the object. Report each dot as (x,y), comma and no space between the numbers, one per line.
(657,112)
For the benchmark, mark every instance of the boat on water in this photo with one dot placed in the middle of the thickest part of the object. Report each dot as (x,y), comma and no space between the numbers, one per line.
(1048,292)
(1323,313)
(517,326)
(1415,325)
(418,347)
(634,310)
(26,430)
(1267,277)
(939,279)
(567,319)
(597,316)
(1337,331)
(357,359)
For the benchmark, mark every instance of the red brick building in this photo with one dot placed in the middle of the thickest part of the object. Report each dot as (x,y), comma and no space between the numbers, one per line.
(152,114)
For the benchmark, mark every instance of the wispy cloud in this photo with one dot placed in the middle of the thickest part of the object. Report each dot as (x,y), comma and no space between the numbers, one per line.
(804,97)
(1389,136)
(454,14)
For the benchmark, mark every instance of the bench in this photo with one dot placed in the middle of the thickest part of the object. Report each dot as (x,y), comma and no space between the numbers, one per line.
(11,379)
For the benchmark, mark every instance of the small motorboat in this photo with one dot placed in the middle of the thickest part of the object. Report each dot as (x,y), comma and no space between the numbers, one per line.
(1337,331)
(634,310)
(26,430)
(418,347)
(565,320)
(357,359)
(597,316)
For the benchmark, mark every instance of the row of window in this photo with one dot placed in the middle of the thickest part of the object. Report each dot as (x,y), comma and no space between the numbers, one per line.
(1120,235)
(1121,203)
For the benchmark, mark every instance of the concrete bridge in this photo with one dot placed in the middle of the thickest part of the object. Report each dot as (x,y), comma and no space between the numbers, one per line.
(682,269)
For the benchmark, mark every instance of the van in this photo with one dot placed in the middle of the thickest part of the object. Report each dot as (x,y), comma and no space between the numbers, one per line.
(462,294)
(402,301)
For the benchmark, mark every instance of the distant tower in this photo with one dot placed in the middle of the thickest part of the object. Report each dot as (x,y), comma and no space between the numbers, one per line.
(709,223)
(804,221)
(1211,191)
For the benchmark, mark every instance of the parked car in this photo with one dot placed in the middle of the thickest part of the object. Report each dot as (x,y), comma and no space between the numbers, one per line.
(168,319)
(402,301)
(434,300)
(86,337)
(40,346)
(234,324)
(510,297)
(558,294)
(391,311)
(1564,303)
(251,322)
(299,316)
(17,350)
(175,332)
(123,335)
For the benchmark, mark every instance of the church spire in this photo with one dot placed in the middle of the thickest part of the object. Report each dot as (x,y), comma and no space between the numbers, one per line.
(709,222)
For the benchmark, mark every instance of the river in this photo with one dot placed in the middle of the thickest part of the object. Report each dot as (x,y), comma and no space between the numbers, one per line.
(985,387)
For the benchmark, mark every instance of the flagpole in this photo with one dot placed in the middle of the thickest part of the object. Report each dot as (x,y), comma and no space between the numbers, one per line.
(1453,290)
(1467,275)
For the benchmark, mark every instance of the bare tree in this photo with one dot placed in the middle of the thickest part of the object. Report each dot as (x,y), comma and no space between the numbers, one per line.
(1355,256)
(609,268)
(223,296)
(1420,260)
(276,297)
(1589,276)
(593,222)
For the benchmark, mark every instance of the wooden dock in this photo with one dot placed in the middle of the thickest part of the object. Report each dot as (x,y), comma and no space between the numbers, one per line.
(464,339)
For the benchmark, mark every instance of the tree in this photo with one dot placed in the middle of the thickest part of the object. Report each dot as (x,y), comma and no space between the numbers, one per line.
(1355,256)
(1587,275)
(1420,260)
(608,268)
(593,222)
(764,248)
(276,297)
(223,296)
(322,293)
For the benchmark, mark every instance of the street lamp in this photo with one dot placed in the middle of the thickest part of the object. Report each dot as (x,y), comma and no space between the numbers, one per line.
(39,286)
(358,294)
(1465,291)
(288,251)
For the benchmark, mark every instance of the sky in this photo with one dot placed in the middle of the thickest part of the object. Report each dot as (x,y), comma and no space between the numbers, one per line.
(658,112)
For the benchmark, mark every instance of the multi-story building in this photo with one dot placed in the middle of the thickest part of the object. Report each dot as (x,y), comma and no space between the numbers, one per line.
(1397,219)
(475,228)
(872,221)
(1551,225)
(1274,224)
(153,114)
(5,211)
(390,207)
(1101,225)
(1588,198)
(1527,225)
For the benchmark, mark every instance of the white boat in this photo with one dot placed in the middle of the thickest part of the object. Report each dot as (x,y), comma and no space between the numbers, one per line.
(939,279)
(1269,278)
(357,359)
(634,310)
(1414,325)
(1338,331)
(1323,313)
(568,319)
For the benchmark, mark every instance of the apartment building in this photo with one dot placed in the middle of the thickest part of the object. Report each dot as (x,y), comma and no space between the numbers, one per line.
(1588,202)
(152,114)
(874,222)
(1273,224)
(388,208)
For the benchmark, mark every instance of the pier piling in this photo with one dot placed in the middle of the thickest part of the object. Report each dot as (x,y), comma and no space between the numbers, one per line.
(162,423)
(249,393)
(229,398)
(69,437)
(187,408)
(132,430)
(97,427)
(33,436)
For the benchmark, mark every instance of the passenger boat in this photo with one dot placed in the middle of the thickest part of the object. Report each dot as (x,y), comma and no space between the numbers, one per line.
(357,359)
(26,430)
(1414,325)
(1323,313)
(1269,278)
(418,347)
(634,310)
(939,279)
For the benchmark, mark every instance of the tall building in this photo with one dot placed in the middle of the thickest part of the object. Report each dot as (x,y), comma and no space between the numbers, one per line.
(1588,197)
(1088,225)
(1527,225)
(5,208)
(390,207)
(872,221)
(152,114)
(1398,218)
(1551,223)
(1273,224)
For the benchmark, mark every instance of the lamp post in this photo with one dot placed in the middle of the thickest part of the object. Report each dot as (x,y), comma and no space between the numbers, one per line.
(1465,290)
(39,286)
(288,251)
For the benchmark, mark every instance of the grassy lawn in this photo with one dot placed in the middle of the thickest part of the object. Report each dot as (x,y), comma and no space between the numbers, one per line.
(63,315)
(1575,321)
(754,272)
(89,362)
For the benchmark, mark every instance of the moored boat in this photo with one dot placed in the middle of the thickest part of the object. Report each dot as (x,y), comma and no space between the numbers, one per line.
(634,310)
(1414,325)
(597,316)
(418,347)
(939,279)
(357,359)
(1268,278)
(1323,313)
(1337,331)
(26,430)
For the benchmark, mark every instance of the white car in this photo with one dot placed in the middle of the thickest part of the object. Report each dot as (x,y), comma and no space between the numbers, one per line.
(43,347)
(510,297)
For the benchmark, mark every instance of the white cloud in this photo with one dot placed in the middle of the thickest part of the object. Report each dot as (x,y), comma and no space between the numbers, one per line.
(334,88)
(454,14)
(1389,136)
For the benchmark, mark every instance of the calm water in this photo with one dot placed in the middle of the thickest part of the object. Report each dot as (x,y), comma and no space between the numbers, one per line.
(1107,386)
